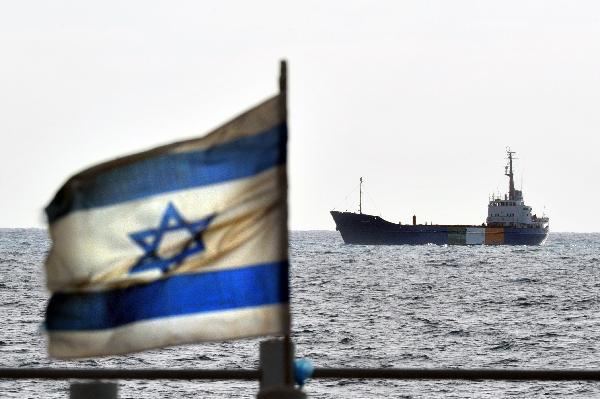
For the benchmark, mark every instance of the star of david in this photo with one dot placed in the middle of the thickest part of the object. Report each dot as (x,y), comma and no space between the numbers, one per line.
(151,239)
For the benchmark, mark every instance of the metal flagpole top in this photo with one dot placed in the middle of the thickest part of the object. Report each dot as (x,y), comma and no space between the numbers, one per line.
(283,76)
(283,89)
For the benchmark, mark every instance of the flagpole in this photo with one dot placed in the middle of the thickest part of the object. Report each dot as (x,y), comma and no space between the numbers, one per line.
(288,357)
(276,383)
(283,85)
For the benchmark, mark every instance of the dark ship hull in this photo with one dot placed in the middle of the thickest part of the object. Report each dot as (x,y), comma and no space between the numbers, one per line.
(360,228)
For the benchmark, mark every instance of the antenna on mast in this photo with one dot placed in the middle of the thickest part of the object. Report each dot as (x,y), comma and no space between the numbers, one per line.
(508,171)
(360,197)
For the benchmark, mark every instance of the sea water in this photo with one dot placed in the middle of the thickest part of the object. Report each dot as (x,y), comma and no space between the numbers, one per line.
(364,306)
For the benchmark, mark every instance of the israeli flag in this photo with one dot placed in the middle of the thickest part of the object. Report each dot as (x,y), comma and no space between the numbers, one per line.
(179,244)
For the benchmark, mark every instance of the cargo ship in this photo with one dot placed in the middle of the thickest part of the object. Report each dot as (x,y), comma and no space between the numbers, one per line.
(509,222)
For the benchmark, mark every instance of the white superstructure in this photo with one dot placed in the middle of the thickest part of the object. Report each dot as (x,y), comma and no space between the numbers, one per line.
(511,210)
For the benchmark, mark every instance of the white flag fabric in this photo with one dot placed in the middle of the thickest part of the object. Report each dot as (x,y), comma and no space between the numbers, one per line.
(179,244)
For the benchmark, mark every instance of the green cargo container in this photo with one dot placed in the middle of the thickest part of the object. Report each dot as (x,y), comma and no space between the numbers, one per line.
(457,235)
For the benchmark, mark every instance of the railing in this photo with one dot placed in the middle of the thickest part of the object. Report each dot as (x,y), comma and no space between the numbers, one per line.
(319,373)
(271,375)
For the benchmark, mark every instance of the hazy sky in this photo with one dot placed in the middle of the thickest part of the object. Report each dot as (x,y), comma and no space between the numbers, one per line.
(418,97)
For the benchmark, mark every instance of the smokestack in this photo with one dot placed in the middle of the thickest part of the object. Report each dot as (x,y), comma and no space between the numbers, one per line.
(414,220)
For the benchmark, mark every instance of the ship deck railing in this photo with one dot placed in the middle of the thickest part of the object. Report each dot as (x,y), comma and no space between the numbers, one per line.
(478,374)
(90,389)
(271,374)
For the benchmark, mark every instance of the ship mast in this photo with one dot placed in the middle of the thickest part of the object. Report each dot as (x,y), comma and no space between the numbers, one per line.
(508,171)
(360,197)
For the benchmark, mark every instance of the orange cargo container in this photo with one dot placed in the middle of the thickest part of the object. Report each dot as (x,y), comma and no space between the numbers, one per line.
(494,235)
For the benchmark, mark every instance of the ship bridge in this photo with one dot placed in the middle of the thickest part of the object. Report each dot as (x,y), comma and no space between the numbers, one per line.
(511,210)
(508,213)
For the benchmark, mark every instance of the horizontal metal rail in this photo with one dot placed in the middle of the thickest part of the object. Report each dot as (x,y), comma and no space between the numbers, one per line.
(127,374)
(459,374)
(330,373)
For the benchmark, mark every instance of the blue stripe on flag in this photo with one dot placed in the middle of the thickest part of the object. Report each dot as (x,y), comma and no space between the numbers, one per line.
(179,295)
(243,157)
